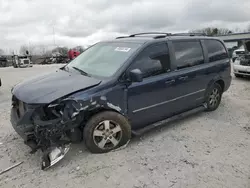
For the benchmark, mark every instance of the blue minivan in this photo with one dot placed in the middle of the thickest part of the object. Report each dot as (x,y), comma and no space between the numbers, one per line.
(120,88)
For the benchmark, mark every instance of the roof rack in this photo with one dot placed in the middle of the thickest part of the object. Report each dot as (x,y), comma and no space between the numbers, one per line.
(121,37)
(149,33)
(189,34)
(163,35)
(160,35)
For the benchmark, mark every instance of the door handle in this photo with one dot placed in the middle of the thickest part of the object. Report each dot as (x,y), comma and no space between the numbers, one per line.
(169,81)
(183,78)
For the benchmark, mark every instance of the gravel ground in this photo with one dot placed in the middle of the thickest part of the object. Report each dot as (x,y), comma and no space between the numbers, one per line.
(206,150)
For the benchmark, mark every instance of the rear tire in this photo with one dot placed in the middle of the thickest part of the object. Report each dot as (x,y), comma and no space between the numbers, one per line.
(213,97)
(106,131)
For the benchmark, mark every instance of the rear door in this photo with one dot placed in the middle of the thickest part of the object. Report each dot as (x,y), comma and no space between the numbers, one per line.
(218,66)
(189,70)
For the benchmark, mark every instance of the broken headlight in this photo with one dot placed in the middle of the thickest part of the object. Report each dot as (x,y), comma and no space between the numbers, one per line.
(67,109)
(53,110)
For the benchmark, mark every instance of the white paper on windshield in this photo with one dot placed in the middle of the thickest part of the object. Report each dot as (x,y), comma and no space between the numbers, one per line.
(122,49)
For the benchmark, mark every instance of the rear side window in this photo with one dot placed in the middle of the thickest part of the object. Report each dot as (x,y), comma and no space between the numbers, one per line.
(216,51)
(153,60)
(188,53)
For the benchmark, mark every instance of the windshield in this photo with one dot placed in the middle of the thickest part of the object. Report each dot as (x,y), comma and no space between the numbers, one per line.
(103,59)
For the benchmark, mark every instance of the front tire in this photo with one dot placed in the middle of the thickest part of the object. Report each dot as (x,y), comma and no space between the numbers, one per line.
(106,131)
(213,98)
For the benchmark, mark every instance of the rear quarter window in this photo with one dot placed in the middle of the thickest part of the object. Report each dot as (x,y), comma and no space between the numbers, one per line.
(216,50)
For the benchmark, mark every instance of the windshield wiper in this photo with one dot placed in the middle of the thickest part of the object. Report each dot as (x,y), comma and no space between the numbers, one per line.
(81,71)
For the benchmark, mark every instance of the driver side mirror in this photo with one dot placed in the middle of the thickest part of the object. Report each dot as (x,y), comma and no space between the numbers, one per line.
(135,75)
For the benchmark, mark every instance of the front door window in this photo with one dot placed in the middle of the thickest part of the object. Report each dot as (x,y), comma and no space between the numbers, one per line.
(153,60)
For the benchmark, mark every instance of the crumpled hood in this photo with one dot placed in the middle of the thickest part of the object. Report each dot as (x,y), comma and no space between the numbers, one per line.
(47,88)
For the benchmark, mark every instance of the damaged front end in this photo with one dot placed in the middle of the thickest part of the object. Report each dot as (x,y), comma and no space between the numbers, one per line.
(50,128)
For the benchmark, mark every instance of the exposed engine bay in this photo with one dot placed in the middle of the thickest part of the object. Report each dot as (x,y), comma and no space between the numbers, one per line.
(245,58)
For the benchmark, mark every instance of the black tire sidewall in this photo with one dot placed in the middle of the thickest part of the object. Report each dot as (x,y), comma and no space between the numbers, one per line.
(209,107)
(95,120)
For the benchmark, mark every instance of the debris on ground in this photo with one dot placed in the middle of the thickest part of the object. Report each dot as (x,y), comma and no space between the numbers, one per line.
(11,167)
(193,164)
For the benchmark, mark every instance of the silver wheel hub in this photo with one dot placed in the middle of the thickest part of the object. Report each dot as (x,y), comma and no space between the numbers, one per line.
(107,134)
(214,97)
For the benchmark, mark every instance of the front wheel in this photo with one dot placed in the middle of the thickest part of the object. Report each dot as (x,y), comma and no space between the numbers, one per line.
(106,131)
(213,98)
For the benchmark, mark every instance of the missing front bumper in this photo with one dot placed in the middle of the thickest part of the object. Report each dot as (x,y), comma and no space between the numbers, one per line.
(51,154)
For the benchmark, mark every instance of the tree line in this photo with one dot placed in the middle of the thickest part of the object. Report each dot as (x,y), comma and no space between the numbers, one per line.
(215,31)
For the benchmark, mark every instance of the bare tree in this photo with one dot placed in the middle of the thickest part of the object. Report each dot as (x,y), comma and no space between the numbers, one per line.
(248,28)
(39,49)
(61,50)
(79,48)
(212,31)
(23,49)
(2,52)
(224,31)
(48,53)
(237,30)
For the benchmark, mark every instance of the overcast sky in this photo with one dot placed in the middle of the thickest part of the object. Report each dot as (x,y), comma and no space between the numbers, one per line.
(83,22)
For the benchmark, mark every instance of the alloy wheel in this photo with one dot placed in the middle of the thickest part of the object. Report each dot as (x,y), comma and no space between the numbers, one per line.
(214,97)
(107,134)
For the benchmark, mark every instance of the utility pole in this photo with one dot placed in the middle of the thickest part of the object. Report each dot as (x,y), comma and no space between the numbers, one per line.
(54,35)
(29,46)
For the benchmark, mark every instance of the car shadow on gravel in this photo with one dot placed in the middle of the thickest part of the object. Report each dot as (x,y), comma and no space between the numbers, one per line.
(165,127)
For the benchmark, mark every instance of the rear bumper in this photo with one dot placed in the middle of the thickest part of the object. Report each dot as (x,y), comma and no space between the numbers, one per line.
(241,70)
